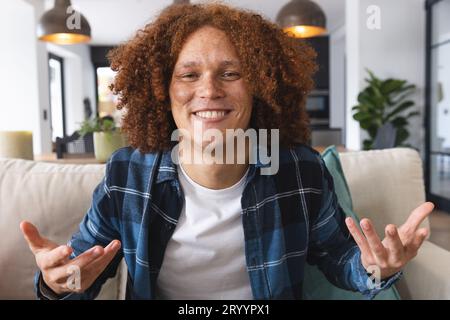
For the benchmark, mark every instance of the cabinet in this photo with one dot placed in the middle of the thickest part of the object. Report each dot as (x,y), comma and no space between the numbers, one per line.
(322,47)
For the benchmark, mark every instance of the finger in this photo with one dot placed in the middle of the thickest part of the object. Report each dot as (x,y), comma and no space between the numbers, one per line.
(31,235)
(393,242)
(98,265)
(34,239)
(360,240)
(419,237)
(54,257)
(418,215)
(87,257)
(59,274)
(94,253)
(377,248)
(92,271)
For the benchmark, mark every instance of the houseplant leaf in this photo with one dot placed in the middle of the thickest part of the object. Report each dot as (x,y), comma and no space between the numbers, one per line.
(402,107)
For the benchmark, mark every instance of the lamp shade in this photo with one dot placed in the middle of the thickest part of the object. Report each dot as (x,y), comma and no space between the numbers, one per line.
(302,19)
(63,25)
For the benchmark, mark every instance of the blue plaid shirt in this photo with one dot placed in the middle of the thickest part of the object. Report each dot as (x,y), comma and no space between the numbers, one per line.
(289,219)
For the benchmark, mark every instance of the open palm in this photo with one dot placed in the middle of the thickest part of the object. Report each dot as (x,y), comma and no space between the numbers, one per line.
(399,245)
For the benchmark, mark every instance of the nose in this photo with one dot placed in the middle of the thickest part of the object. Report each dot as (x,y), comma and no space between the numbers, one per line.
(210,88)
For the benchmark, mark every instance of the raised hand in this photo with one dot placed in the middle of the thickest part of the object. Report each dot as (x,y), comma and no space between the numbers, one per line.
(398,247)
(56,266)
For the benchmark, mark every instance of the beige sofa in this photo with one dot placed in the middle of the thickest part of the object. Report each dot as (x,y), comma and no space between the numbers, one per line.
(385,185)
(54,197)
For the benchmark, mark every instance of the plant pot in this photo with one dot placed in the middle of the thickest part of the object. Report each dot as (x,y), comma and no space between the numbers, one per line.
(105,143)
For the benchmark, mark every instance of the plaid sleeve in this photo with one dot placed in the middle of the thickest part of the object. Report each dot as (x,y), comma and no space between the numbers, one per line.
(99,226)
(333,249)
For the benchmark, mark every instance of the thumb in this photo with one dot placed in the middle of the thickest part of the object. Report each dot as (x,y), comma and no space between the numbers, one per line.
(34,239)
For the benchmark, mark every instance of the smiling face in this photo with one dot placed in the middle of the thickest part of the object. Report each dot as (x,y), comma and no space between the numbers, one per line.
(207,85)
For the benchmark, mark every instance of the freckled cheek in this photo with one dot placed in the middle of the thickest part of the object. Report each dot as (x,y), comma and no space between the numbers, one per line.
(179,97)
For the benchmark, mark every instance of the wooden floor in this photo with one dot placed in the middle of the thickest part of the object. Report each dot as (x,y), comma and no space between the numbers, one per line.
(440,229)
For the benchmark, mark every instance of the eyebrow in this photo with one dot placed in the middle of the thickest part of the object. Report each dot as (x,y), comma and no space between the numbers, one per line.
(224,63)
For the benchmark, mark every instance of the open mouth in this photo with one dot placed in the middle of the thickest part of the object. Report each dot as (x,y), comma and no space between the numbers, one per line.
(212,114)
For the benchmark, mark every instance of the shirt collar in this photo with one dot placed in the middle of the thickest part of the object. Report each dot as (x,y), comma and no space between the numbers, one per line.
(167,169)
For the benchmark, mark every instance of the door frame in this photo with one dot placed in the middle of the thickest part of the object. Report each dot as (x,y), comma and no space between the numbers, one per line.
(63,95)
(440,202)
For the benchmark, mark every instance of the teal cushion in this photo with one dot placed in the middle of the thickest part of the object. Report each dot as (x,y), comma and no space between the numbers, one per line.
(316,286)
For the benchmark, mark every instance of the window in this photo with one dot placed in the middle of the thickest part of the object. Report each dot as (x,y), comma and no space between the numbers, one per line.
(57,110)
(107,102)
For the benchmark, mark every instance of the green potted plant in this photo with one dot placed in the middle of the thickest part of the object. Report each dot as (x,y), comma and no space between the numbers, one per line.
(106,135)
(381,102)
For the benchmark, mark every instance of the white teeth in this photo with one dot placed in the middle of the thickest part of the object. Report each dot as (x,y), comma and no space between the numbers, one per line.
(210,114)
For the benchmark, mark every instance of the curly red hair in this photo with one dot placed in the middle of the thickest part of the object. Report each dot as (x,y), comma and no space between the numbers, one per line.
(278,68)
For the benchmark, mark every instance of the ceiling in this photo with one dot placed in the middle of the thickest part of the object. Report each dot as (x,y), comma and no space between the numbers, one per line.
(114,21)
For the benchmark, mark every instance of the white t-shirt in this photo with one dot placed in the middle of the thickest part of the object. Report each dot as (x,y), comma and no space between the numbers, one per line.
(205,258)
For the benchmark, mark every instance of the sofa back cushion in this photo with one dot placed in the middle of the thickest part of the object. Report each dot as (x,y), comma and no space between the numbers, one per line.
(54,197)
(316,286)
(386,185)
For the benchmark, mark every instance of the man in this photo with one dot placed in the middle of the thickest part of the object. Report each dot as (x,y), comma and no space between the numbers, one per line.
(214,230)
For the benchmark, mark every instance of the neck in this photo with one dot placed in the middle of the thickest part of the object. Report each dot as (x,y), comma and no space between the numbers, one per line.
(215,175)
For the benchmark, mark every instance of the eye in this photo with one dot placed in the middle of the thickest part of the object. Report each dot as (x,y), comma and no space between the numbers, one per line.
(230,75)
(189,76)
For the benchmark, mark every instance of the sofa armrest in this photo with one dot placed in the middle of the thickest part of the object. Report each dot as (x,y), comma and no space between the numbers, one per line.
(427,275)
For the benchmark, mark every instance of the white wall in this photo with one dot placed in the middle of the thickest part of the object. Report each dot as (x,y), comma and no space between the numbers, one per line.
(352,26)
(45,138)
(337,79)
(396,50)
(19,89)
